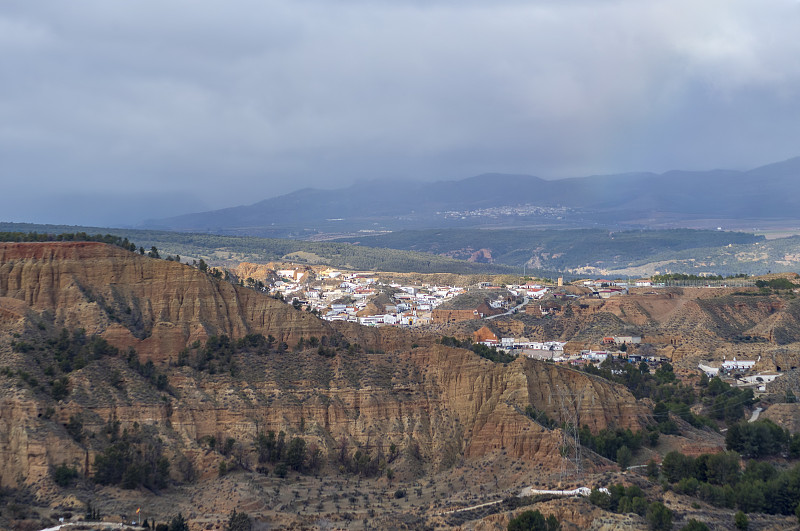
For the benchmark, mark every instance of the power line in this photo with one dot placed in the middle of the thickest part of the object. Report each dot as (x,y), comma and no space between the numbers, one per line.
(572,461)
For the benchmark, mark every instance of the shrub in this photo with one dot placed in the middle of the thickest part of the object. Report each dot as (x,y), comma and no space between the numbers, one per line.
(135,459)
(178,524)
(659,518)
(694,525)
(239,521)
(60,388)
(75,428)
(741,521)
(624,456)
(687,486)
(601,499)
(63,475)
(533,521)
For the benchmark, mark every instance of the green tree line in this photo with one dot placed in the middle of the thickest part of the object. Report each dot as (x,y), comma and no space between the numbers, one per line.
(719,479)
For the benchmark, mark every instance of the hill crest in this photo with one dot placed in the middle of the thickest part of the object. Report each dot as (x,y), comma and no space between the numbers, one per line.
(629,199)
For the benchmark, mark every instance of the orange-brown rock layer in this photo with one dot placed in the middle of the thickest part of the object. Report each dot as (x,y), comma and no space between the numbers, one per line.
(157,306)
(447,402)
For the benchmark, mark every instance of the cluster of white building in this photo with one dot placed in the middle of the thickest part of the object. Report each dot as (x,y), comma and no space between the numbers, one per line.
(729,367)
(533,291)
(554,351)
(411,305)
(531,349)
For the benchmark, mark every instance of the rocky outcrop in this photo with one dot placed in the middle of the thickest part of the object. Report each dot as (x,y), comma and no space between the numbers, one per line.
(29,448)
(597,403)
(482,334)
(157,306)
(510,327)
(445,402)
(11,310)
(436,403)
(489,400)
(483,256)
(784,415)
(268,271)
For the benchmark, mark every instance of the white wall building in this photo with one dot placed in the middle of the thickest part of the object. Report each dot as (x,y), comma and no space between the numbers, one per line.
(738,365)
(594,355)
(537,293)
(710,371)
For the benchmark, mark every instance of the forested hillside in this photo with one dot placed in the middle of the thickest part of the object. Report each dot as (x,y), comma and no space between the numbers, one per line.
(563,249)
(474,251)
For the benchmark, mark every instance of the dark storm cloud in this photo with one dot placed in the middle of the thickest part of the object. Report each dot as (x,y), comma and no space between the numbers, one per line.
(158,106)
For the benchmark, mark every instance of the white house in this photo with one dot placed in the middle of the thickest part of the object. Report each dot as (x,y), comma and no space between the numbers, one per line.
(738,365)
(710,371)
(537,293)
(761,378)
(375,320)
(594,355)
(556,347)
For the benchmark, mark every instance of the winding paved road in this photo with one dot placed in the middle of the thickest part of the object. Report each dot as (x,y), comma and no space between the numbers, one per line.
(757,411)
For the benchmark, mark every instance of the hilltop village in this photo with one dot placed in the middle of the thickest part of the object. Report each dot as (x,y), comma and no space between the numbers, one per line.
(381,300)
(370,299)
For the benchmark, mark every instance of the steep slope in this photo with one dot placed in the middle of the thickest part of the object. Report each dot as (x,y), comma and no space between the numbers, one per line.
(436,404)
(444,402)
(156,305)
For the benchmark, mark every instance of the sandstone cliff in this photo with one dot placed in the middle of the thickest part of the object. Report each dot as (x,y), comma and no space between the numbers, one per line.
(446,410)
(438,405)
(446,402)
(157,306)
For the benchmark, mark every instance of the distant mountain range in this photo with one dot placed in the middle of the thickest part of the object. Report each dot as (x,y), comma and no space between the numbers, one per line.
(634,200)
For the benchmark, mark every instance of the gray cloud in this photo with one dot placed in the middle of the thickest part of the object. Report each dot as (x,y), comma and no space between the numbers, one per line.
(165,104)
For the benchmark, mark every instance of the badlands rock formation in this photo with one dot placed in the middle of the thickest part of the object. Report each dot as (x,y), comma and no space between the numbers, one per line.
(435,403)
(157,305)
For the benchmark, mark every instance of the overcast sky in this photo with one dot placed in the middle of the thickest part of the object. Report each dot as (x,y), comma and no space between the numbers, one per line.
(115,111)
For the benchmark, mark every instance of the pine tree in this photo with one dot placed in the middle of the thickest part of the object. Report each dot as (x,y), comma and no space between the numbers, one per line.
(178,524)
(239,521)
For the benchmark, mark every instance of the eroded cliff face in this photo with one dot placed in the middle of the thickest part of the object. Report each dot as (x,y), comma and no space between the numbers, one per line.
(446,402)
(156,306)
(29,445)
(437,404)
